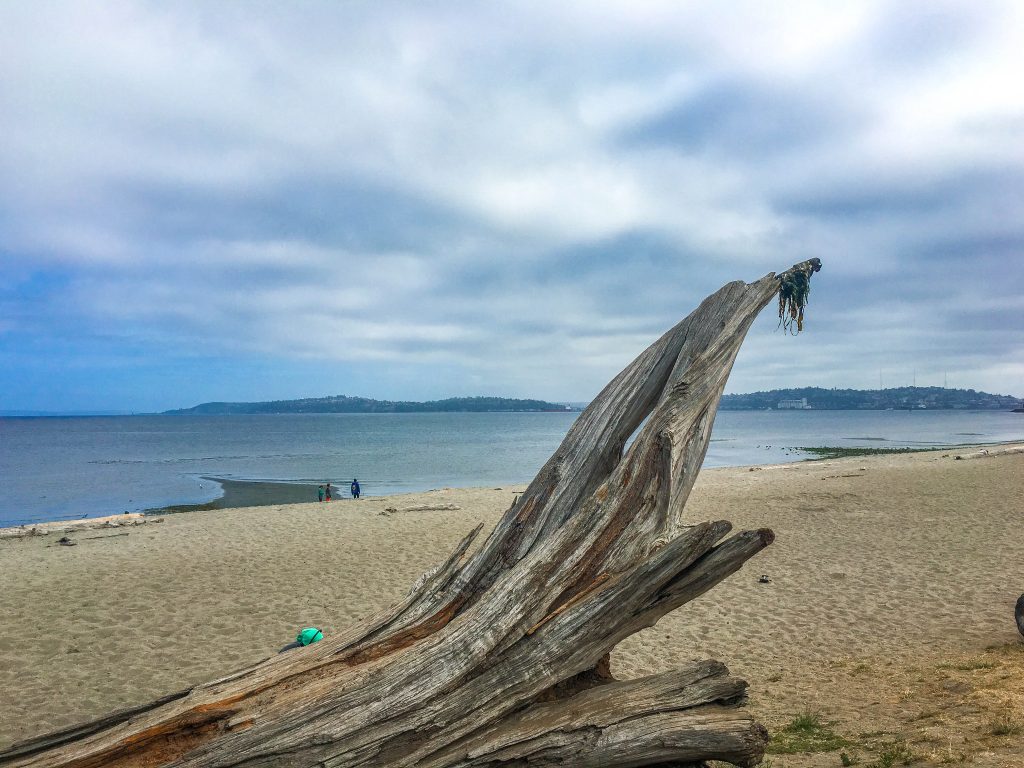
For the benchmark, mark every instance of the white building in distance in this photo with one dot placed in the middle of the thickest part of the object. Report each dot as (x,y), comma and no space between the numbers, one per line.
(794,405)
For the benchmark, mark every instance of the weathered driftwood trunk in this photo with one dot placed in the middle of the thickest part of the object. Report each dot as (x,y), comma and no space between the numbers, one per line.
(500,657)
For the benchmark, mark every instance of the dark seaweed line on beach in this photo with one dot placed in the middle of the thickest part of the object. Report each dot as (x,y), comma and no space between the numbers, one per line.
(843,452)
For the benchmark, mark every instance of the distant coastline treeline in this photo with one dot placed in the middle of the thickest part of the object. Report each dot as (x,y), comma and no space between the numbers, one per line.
(896,398)
(815,398)
(346,404)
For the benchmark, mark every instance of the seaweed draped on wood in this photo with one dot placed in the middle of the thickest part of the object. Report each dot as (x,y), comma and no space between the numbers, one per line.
(794,288)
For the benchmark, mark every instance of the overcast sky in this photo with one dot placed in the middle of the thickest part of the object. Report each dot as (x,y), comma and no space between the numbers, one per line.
(248,201)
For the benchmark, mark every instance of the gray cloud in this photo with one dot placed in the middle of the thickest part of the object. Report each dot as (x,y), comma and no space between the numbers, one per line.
(747,118)
(510,198)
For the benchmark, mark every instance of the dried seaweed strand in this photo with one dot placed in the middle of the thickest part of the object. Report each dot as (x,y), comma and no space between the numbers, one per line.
(794,289)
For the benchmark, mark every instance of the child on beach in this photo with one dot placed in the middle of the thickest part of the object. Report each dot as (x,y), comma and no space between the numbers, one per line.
(328,490)
(354,488)
(320,493)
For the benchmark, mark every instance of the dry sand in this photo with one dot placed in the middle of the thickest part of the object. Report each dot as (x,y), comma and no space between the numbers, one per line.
(889,610)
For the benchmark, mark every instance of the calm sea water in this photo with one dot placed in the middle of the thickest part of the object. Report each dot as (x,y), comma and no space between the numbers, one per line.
(56,468)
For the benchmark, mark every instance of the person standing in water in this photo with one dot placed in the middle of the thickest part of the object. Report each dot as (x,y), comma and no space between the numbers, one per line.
(327,487)
(354,488)
(320,493)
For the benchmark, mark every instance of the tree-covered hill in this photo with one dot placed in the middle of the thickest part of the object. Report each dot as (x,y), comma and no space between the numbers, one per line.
(345,404)
(817,399)
(873,399)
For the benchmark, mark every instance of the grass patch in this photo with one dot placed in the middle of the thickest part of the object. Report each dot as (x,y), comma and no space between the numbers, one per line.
(969,666)
(1005,725)
(806,733)
(894,754)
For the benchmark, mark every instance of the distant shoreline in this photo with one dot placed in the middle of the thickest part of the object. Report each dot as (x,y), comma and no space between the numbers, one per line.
(794,398)
(348,404)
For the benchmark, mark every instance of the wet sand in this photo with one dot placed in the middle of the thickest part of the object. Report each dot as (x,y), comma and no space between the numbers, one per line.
(252,493)
(891,590)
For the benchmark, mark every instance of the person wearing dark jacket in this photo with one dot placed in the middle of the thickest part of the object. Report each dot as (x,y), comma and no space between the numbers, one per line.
(354,488)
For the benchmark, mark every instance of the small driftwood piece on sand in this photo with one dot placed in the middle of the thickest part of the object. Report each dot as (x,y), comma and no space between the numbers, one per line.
(421,508)
(74,526)
(500,656)
(986,453)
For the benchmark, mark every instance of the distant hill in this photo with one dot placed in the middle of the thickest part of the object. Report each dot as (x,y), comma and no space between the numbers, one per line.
(345,404)
(871,399)
(816,398)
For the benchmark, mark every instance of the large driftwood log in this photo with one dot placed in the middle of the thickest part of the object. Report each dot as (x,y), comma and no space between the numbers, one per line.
(500,656)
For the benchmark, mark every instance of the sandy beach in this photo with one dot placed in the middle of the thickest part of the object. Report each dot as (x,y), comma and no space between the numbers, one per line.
(888,610)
